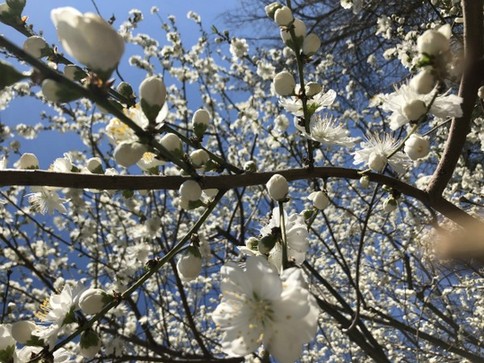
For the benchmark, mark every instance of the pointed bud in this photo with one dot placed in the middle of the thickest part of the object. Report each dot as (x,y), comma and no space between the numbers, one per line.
(152,92)
(200,122)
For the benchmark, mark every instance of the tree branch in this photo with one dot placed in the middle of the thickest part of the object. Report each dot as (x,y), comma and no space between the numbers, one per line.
(470,82)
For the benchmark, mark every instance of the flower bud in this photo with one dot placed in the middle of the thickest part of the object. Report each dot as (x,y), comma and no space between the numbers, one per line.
(365,181)
(199,157)
(129,153)
(266,244)
(311,44)
(27,161)
(152,92)
(278,187)
(36,46)
(250,166)
(414,109)
(423,82)
(189,265)
(90,344)
(190,191)
(7,343)
(312,89)
(200,122)
(320,199)
(73,72)
(434,42)
(299,31)
(480,92)
(390,204)
(172,143)
(22,330)
(92,301)
(56,92)
(283,16)
(89,39)
(95,165)
(417,147)
(271,9)
(377,162)
(284,83)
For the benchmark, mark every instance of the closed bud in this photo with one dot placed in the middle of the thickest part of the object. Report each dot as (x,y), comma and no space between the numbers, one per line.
(390,204)
(74,73)
(56,92)
(90,344)
(95,165)
(189,265)
(250,166)
(89,39)
(284,83)
(27,161)
(129,153)
(283,16)
(312,89)
(22,331)
(311,44)
(200,122)
(278,187)
(414,110)
(199,157)
(266,244)
(480,92)
(152,92)
(92,301)
(271,9)
(423,82)
(320,199)
(299,31)
(434,42)
(36,46)
(172,143)
(365,181)
(417,147)
(190,191)
(377,162)
(125,90)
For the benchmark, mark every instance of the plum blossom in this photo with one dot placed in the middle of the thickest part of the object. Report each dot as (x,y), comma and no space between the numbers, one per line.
(404,102)
(315,104)
(296,237)
(46,200)
(328,131)
(259,307)
(376,151)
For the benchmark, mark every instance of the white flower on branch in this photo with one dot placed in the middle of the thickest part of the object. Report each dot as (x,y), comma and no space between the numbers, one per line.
(89,39)
(315,104)
(328,131)
(375,152)
(260,308)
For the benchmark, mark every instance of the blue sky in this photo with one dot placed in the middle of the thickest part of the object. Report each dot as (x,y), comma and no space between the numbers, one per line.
(27,110)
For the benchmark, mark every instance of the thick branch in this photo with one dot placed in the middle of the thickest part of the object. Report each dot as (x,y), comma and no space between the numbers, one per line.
(221,182)
(470,82)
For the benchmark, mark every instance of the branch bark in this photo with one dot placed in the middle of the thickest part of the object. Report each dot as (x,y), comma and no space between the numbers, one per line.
(220,182)
(470,82)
